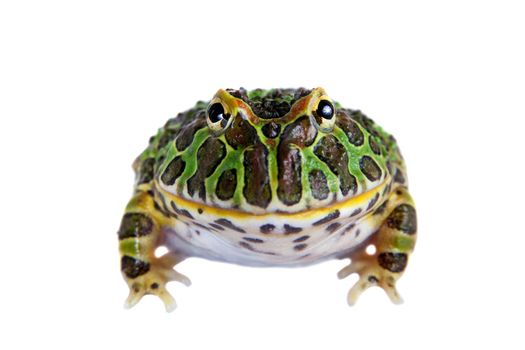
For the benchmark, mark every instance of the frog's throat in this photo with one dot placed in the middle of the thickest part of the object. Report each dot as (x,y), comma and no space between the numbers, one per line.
(366,201)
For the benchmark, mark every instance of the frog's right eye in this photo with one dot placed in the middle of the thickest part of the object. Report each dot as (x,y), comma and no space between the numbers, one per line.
(216,116)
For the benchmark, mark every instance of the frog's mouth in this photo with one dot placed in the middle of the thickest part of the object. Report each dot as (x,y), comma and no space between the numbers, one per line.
(356,206)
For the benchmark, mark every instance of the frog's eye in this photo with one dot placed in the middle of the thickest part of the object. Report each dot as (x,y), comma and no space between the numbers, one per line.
(217,118)
(324,115)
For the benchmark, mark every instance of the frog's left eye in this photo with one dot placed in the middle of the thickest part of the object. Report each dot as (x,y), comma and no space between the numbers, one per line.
(216,116)
(324,115)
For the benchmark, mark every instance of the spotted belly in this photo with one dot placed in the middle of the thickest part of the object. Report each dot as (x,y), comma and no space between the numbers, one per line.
(273,239)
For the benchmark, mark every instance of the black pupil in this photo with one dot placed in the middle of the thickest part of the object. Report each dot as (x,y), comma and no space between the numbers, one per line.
(216,113)
(325,109)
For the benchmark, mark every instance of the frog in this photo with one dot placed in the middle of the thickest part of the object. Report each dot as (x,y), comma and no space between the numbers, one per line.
(283,177)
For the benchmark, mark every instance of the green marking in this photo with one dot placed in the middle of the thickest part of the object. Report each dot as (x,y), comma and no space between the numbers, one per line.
(403,243)
(130,247)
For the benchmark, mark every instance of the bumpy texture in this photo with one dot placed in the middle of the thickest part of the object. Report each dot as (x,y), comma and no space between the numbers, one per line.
(281,177)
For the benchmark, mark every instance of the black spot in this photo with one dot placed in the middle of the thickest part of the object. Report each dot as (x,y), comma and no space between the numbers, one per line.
(333,215)
(146,170)
(246,245)
(332,227)
(132,267)
(267,228)
(209,156)
(154,285)
(394,262)
(373,145)
(200,210)
(218,227)
(300,247)
(226,184)
(373,201)
(372,279)
(357,233)
(356,211)
(183,212)
(227,223)
(403,218)
(334,154)
(174,169)
(253,240)
(348,228)
(370,168)
(271,130)
(301,239)
(289,230)
(381,209)
(318,184)
(135,225)
(399,177)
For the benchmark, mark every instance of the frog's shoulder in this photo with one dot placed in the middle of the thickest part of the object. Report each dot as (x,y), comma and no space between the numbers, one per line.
(147,163)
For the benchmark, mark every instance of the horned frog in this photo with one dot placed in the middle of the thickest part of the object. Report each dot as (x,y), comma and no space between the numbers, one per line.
(280,177)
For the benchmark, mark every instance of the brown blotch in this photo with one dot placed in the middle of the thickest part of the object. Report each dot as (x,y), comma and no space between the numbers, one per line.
(174,169)
(271,130)
(331,216)
(226,184)
(299,134)
(135,225)
(393,262)
(350,128)
(256,178)
(132,267)
(240,134)
(334,154)
(373,145)
(146,170)
(370,168)
(209,156)
(403,218)
(318,184)
(187,133)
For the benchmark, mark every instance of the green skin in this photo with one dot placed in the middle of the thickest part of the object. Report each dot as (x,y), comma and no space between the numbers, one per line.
(273,155)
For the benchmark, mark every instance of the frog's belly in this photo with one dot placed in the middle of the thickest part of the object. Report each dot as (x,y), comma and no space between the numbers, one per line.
(302,246)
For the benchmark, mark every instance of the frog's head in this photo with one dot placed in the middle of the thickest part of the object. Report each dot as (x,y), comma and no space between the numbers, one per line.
(273,150)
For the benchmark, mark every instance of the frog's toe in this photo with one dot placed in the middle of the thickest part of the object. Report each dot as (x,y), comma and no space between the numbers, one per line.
(154,282)
(369,279)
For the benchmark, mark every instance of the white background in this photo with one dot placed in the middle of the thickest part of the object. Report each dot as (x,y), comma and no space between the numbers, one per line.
(84,84)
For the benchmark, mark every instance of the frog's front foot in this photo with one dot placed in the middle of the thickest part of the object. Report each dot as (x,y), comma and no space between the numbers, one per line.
(393,243)
(370,274)
(158,273)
